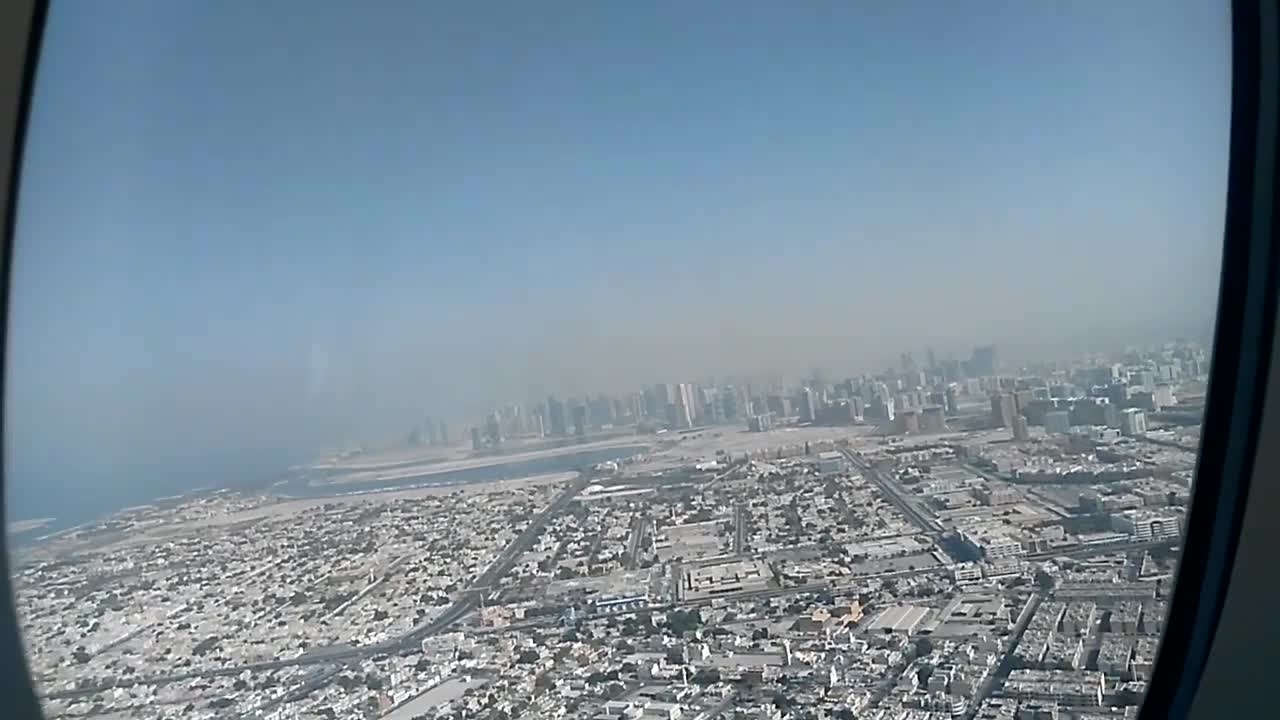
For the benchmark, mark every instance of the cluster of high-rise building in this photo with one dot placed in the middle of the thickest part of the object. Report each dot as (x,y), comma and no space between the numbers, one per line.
(432,433)
(909,398)
(676,406)
(1119,396)
(927,395)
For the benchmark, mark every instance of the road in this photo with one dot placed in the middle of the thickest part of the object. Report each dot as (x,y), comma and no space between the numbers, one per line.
(1079,551)
(313,683)
(498,568)
(739,529)
(995,680)
(635,541)
(894,494)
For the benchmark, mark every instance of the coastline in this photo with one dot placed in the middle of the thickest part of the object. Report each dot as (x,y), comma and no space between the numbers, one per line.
(151,520)
(17,527)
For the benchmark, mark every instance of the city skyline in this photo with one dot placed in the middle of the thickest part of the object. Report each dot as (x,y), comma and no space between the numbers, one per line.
(235,264)
(628,405)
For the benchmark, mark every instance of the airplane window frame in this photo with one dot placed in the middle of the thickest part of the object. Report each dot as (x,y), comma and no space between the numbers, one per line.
(22,24)
(1246,324)
(1239,376)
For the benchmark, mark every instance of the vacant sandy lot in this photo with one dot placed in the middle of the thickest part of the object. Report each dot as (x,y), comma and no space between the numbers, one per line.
(401,457)
(702,446)
(394,457)
(447,691)
(436,467)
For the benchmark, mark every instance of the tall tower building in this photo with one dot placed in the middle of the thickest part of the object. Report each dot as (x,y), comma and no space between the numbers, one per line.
(639,408)
(556,415)
(808,405)
(1021,432)
(952,400)
(857,409)
(983,362)
(1003,409)
(932,419)
(493,429)
(778,405)
(684,405)
(1133,421)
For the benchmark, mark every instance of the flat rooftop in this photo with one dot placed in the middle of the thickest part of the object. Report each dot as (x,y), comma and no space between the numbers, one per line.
(902,618)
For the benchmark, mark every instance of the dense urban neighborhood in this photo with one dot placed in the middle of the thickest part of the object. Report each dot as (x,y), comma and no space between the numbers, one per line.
(945,539)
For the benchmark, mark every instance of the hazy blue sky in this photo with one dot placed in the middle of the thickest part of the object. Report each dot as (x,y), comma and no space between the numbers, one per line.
(248,229)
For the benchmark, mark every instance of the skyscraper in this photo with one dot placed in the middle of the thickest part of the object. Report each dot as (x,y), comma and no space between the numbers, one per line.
(555,413)
(657,398)
(639,408)
(1003,409)
(1021,399)
(513,420)
(1118,394)
(493,429)
(778,405)
(808,405)
(684,405)
(1057,421)
(600,410)
(580,420)
(932,419)
(733,403)
(881,408)
(857,408)
(1020,430)
(983,362)
(1133,421)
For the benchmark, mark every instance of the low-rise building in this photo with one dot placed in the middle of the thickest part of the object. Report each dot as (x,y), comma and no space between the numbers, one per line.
(1144,525)
(829,463)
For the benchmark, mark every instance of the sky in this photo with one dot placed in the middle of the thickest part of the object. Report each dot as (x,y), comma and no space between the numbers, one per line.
(248,232)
